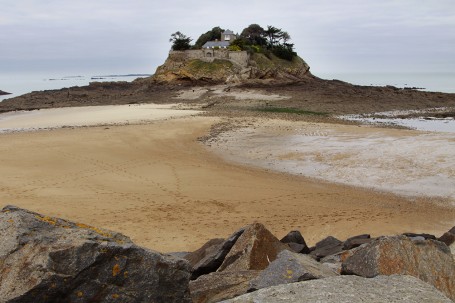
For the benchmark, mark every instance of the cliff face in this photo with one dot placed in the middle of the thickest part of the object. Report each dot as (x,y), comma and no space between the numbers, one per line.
(224,66)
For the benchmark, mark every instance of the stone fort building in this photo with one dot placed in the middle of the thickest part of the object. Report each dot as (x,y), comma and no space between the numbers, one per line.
(212,50)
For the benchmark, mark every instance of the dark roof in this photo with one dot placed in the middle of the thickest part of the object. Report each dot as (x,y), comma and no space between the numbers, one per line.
(228,32)
(211,44)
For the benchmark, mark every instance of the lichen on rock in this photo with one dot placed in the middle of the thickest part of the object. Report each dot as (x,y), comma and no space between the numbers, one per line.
(46,259)
(224,66)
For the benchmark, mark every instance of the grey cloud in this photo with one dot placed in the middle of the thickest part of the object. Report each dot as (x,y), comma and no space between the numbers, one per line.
(332,36)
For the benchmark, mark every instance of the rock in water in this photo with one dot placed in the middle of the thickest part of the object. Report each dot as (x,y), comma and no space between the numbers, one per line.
(45,259)
(291,267)
(4,93)
(348,289)
(255,249)
(428,260)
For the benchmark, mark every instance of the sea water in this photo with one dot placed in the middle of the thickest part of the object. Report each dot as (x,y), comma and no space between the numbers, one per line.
(435,82)
(19,84)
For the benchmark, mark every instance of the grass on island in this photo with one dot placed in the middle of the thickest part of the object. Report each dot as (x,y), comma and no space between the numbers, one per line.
(209,67)
(286,110)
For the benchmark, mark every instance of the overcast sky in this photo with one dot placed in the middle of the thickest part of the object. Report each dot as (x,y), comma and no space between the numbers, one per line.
(132,36)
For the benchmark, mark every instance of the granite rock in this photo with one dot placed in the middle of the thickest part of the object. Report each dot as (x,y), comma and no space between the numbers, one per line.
(219,286)
(326,247)
(291,267)
(449,239)
(211,255)
(428,260)
(296,242)
(348,289)
(255,249)
(46,259)
(356,241)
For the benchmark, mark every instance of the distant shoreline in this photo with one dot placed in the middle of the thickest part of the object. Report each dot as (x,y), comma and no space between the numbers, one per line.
(21,84)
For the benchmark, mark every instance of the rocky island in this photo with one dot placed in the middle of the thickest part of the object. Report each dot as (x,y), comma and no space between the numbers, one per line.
(259,60)
(4,93)
(200,219)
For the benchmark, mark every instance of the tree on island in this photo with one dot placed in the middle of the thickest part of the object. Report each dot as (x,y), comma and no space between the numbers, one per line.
(211,35)
(268,41)
(254,34)
(180,41)
(253,39)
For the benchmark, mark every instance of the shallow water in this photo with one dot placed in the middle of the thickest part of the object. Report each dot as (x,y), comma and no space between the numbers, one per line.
(436,82)
(410,163)
(424,124)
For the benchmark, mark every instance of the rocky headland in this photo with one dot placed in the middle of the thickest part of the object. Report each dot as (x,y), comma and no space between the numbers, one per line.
(47,259)
(2,93)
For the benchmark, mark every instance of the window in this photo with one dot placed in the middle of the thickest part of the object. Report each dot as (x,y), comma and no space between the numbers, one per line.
(227,37)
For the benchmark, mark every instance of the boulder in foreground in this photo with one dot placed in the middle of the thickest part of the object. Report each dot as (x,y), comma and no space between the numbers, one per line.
(428,260)
(291,267)
(449,239)
(218,286)
(255,249)
(348,289)
(211,255)
(45,259)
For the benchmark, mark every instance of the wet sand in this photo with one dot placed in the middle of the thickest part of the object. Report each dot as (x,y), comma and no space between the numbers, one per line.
(157,184)
(418,164)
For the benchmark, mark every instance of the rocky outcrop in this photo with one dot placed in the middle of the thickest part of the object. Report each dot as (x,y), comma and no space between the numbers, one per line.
(326,247)
(184,65)
(356,241)
(255,249)
(335,261)
(449,239)
(428,260)
(211,255)
(4,93)
(290,267)
(296,242)
(348,289)
(45,259)
(218,286)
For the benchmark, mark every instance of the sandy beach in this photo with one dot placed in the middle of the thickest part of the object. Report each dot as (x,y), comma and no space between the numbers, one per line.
(88,116)
(156,183)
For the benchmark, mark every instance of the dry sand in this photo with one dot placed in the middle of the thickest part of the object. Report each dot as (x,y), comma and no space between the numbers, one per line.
(157,184)
(88,116)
